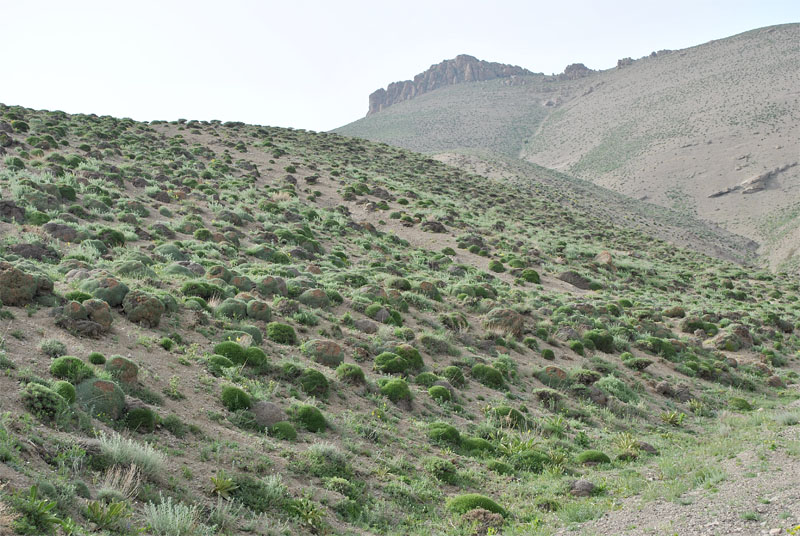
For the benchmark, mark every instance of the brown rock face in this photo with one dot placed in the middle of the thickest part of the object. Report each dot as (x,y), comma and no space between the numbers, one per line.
(461,69)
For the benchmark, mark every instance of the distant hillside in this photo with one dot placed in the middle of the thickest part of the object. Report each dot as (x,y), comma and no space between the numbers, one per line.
(447,73)
(710,131)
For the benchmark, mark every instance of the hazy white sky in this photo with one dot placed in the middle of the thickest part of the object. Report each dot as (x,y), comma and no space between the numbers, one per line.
(312,64)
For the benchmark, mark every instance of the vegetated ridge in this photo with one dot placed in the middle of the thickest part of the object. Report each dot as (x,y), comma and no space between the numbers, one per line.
(221,328)
(710,131)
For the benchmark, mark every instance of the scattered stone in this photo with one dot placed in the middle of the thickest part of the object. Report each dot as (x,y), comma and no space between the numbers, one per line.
(581,488)
(574,279)
(267,413)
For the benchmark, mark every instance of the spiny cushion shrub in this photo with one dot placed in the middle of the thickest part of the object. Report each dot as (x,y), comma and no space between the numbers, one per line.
(531,460)
(426,379)
(216,363)
(350,373)
(322,351)
(496,266)
(283,430)
(410,354)
(614,386)
(439,393)
(65,389)
(530,275)
(313,382)
(141,420)
(576,346)
(202,289)
(233,351)
(101,398)
(499,467)
(454,375)
(739,404)
(71,368)
(390,363)
(440,469)
(231,308)
(635,363)
(122,369)
(43,402)
(255,357)
(592,457)
(258,310)
(235,399)
(443,433)
(395,389)
(474,445)
(548,354)
(602,340)
(461,504)
(281,333)
(510,417)
(309,417)
(488,376)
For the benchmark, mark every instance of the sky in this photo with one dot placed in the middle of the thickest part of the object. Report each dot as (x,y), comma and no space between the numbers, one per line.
(312,64)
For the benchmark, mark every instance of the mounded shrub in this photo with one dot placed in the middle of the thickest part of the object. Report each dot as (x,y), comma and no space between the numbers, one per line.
(390,363)
(462,504)
(255,357)
(71,368)
(216,363)
(592,457)
(411,355)
(614,386)
(231,308)
(395,390)
(233,351)
(141,420)
(258,310)
(66,390)
(530,275)
(313,382)
(488,376)
(454,375)
(101,398)
(283,430)
(510,417)
(122,369)
(531,460)
(426,379)
(281,333)
(443,433)
(310,418)
(602,340)
(474,445)
(439,393)
(739,404)
(350,373)
(43,402)
(548,354)
(96,358)
(235,399)
(325,352)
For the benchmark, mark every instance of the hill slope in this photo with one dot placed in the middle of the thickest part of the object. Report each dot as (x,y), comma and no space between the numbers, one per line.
(225,328)
(711,130)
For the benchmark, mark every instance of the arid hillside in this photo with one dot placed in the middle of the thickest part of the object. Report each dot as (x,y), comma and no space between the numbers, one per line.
(711,131)
(218,328)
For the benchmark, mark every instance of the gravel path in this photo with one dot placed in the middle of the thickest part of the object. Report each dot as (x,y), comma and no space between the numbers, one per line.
(765,487)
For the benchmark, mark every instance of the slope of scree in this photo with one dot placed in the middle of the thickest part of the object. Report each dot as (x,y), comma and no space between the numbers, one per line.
(710,131)
(220,328)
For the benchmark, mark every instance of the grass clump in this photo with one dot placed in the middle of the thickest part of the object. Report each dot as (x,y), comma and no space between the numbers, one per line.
(127,452)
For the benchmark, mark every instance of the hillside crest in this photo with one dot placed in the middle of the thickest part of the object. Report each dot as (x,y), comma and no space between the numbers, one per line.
(463,68)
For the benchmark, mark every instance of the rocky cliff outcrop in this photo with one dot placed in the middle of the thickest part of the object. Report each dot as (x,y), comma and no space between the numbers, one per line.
(461,69)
